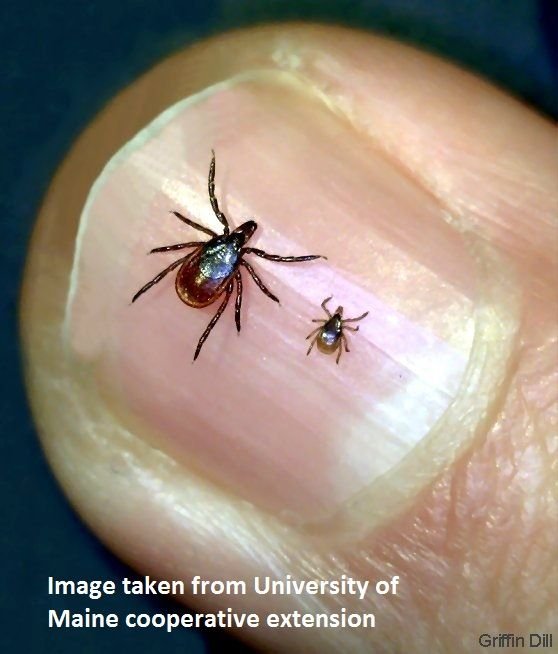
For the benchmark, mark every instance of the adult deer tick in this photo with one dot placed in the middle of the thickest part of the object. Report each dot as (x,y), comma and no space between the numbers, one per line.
(329,335)
(213,266)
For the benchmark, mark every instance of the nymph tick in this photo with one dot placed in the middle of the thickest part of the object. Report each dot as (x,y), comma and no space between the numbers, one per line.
(329,334)
(213,266)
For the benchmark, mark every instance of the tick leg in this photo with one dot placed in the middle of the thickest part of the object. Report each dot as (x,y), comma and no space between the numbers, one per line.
(214,203)
(344,339)
(314,331)
(353,329)
(159,277)
(312,345)
(319,320)
(214,320)
(258,281)
(178,246)
(197,226)
(323,305)
(339,352)
(276,257)
(355,319)
(238,302)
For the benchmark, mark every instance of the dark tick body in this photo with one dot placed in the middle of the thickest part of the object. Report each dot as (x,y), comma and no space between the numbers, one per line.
(213,267)
(329,336)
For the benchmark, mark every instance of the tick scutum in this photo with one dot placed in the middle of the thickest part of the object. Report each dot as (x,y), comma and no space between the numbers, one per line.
(330,334)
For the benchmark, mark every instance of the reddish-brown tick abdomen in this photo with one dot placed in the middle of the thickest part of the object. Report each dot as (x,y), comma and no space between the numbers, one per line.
(204,275)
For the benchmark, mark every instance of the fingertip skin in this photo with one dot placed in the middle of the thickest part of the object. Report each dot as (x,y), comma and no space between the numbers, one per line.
(431,196)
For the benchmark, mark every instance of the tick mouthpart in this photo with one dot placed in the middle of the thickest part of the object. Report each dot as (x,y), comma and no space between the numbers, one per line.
(246,230)
(339,311)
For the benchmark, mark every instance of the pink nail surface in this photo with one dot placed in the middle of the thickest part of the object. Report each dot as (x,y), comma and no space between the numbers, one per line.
(296,435)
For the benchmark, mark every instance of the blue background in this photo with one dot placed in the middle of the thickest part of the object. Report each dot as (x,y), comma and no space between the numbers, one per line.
(62,61)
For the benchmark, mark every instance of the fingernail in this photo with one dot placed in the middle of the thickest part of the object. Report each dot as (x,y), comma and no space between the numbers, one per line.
(294,435)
